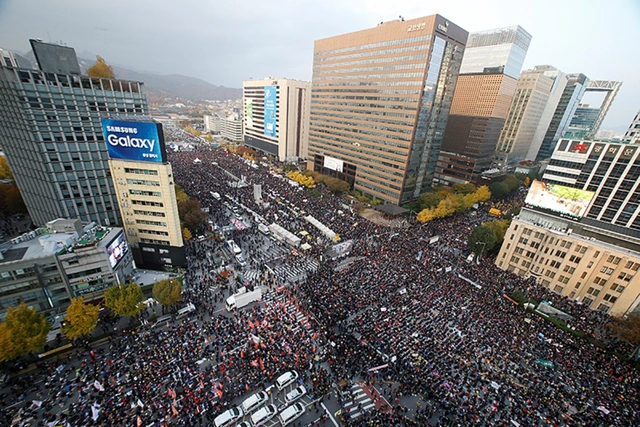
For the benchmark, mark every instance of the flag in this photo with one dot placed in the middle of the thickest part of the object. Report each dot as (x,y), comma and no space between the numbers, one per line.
(98,386)
(95,411)
(254,363)
(219,392)
(173,409)
(171,393)
(36,404)
(138,421)
(261,364)
(139,403)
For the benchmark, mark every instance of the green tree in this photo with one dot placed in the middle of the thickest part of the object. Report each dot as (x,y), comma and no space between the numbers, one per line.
(24,331)
(124,300)
(628,329)
(191,215)
(429,200)
(336,185)
(512,183)
(499,190)
(463,188)
(101,69)
(499,228)
(482,239)
(167,292)
(81,318)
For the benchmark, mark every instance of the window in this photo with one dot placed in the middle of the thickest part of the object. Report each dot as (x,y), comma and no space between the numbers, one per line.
(583,275)
(629,264)
(590,264)
(611,258)
(603,308)
(597,254)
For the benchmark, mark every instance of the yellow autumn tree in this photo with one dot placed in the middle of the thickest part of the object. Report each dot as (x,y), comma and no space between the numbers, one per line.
(482,194)
(81,319)
(101,69)
(425,215)
(186,234)
(5,172)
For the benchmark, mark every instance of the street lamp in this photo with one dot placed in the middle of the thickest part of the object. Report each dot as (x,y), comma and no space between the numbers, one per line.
(484,244)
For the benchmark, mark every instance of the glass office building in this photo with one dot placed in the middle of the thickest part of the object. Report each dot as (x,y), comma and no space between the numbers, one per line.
(51,134)
(380,100)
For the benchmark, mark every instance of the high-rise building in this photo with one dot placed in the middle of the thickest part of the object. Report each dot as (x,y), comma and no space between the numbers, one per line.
(537,94)
(567,105)
(503,48)
(480,103)
(231,127)
(380,99)
(633,133)
(276,119)
(579,232)
(587,120)
(145,189)
(51,134)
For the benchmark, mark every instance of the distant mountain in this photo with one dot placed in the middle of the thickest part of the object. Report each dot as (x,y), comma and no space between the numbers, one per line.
(172,85)
(161,86)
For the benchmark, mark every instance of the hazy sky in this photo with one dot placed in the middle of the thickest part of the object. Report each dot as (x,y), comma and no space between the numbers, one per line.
(225,42)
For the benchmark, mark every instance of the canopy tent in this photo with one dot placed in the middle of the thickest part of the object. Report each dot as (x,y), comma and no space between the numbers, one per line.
(305,246)
(320,226)
(284,235)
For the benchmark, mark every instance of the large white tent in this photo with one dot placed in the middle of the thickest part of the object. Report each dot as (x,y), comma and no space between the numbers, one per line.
(320,226)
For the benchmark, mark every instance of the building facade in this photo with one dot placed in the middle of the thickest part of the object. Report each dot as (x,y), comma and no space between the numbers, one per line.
(47,267)
(587,119)
(524,123)
(567,105)
(633,134)
(146,195)
(51,134)
(484,91)
(602,276)
(380,100)
(283,129)
(231,127)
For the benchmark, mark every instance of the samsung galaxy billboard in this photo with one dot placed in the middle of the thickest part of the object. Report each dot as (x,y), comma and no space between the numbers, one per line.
(140,141)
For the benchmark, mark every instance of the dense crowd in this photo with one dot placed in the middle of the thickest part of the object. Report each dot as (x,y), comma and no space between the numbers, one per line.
(430,324)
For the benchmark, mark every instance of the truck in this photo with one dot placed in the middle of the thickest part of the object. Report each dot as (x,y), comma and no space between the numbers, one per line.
(243,298)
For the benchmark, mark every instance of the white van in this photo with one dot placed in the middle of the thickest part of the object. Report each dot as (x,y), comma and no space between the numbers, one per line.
(228,417)
(286,379)
(215,195)
(254,401)
(290,414)
(184,312)
(264,229)
(264,414)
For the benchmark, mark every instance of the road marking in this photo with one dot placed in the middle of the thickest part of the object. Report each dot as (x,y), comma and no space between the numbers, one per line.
(333,420)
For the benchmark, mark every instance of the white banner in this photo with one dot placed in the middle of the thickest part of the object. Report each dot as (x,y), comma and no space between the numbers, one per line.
(333,163)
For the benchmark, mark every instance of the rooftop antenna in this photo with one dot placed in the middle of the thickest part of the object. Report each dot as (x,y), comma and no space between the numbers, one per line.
(401,18)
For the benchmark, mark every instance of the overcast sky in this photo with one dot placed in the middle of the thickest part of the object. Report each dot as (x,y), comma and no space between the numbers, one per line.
(225,42)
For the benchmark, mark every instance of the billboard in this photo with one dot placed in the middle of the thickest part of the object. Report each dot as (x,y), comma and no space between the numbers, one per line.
(140,141)
(117,249)
(333,164)
(270,95)
(558,198)
(248,112)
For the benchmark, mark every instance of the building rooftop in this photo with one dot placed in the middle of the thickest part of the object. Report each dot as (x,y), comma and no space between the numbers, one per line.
(44,242)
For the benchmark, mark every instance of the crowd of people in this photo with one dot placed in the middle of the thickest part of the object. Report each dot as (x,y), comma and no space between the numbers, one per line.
(399,312)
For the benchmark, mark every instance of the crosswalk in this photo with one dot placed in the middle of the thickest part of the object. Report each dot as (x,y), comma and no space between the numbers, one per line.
(271,297)
(359,402)
(251,276)
(294,272)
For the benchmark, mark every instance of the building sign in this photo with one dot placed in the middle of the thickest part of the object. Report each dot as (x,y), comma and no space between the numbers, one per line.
(580,147)
(444,27)
(333,164)
(140,141)
(248,112)
(558,198)
(117,249)
(270,99)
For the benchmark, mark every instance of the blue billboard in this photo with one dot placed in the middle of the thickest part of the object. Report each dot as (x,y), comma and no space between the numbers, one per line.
(270,94)
(140,141)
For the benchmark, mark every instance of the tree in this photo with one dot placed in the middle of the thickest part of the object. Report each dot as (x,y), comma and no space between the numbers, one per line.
(628,329)
(499,190)
(482,239)
(499,228)
(5,171)
(186,234)
(181,196)
(167,292)
(81,318)
(429,200)
(463,188)
(124,300)
(191,215)
(527,181)
(101,69)
(511,182)
(482,194)
(336,185)
(425,215)
(24,331)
